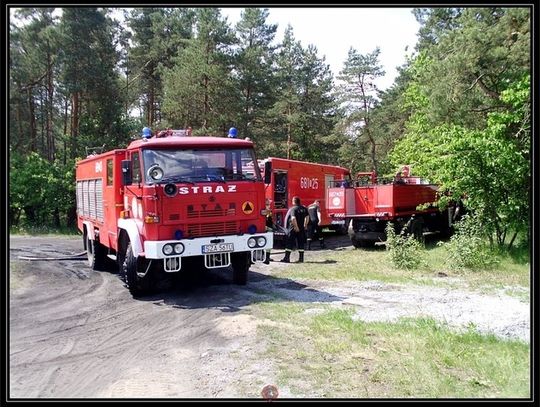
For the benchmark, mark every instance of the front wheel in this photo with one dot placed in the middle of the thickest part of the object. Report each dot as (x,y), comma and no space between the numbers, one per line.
(137,286)
(240,265)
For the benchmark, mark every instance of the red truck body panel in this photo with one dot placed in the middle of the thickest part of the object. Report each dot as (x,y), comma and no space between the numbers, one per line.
(385,201)
(306,180)
(99,194)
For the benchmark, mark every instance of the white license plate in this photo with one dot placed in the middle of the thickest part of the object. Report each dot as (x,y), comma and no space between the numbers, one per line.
(218,248)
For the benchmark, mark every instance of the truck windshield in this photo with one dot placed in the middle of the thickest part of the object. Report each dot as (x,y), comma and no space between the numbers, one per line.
(200,165)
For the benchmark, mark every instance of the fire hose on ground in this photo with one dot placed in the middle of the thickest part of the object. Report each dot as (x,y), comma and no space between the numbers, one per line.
(67,257)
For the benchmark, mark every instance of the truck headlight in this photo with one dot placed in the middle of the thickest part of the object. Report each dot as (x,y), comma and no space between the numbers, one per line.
(178,248)
(167,249)
(261,241)
(252,242)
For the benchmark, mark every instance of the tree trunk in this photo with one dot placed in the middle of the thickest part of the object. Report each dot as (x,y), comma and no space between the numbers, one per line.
(50,106)
(56,218)
(289,133)
(206,103)
(74,123)
(65,129)
(72,216)
(32,120)
(42,110)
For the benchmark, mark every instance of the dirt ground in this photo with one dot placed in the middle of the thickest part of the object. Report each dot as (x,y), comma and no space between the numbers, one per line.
(78,333)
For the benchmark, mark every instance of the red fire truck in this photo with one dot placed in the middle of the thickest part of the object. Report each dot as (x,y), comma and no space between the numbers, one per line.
(167,200)
(370,203)
(285,179)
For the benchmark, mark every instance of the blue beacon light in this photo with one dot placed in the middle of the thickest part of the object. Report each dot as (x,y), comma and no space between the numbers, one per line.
(233,132)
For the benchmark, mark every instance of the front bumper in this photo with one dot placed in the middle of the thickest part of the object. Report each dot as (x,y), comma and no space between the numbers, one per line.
(193,247)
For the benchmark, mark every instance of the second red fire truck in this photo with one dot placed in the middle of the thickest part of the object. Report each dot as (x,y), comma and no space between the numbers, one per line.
(285,179)
(370,203)
(169,199)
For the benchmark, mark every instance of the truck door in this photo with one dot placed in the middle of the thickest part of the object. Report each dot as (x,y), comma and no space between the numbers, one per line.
(280,196)
(328,182)
(135,190)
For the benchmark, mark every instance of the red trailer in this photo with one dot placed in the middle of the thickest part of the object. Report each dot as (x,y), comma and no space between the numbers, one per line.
(285,179)
(167,200)
(370,204)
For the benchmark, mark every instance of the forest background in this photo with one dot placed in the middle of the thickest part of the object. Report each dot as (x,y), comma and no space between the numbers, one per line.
(459,111)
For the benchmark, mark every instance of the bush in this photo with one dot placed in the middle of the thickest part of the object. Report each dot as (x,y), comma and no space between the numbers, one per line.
(467,248)
(404,250)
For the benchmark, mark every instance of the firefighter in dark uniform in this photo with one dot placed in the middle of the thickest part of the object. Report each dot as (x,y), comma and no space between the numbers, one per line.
(295,222)
(314,230)
(269,228)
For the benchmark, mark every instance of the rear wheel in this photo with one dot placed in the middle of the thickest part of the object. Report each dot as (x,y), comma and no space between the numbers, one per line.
(96,253)
(417,229)
(137,286)
(240,265)
(360,243)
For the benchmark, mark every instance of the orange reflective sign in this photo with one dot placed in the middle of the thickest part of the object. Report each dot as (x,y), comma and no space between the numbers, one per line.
(247,207)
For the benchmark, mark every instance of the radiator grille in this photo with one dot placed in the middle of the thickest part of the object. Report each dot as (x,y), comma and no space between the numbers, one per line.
(212,229)
(210,213)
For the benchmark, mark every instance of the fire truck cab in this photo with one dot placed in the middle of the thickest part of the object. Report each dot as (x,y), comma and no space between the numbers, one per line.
(285,179)
(166,200)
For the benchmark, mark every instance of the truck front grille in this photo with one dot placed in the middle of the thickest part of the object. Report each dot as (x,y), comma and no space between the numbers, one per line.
(215,212)
(212,229)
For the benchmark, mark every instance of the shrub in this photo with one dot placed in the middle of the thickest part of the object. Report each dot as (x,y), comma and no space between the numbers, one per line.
(467,248)
(404,250)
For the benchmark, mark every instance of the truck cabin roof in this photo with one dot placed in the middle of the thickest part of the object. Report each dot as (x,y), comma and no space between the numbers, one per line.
(190,142)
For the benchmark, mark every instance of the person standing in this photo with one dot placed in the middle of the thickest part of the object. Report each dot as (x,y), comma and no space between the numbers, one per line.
(269,228)
(314,230)
(295,222)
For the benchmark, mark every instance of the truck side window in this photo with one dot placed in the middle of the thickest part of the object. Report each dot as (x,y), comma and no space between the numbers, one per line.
(136,168)
(109,171)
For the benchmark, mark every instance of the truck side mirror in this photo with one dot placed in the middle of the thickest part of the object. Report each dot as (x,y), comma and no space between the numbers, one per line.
(268,172)
(126,172)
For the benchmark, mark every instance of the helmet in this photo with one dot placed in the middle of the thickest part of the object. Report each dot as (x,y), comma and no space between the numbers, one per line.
(146,132)
(233,132)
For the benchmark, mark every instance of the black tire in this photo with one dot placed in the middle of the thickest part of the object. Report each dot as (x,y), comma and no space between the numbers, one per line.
(417,227)
(138,286)
(361,243)
(240,266)
(96,254)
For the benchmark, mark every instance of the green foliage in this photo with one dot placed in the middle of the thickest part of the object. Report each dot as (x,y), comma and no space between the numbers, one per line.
(470,132)
(404,250)
(39,191)
(300,122)
(490,167)
(198,90)
(467,248)
(357,97)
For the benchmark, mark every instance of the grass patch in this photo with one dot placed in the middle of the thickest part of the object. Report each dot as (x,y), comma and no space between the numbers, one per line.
(331,354)
(375,264)
(38,230)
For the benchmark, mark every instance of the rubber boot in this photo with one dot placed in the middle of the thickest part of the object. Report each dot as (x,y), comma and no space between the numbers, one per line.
(300,257)
(287,258)
(267,259)
(322,244)
(309,244)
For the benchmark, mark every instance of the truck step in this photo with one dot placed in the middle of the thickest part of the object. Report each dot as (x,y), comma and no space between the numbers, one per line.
(112,256)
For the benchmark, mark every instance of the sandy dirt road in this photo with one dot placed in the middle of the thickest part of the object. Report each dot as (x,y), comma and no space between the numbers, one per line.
(78,333)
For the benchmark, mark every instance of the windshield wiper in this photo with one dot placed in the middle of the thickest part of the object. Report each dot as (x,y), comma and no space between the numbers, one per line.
(176,180)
